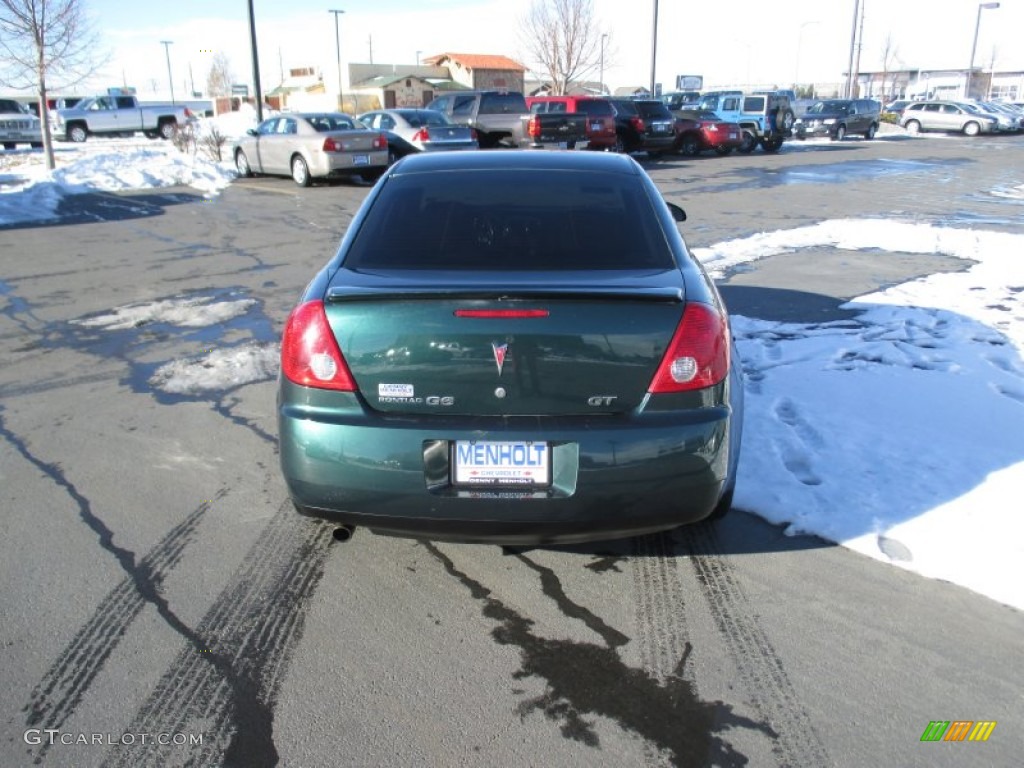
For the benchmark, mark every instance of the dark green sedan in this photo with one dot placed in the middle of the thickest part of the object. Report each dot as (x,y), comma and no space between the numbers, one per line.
(515,347)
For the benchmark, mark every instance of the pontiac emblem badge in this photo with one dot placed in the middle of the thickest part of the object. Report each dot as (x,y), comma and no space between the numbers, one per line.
(500,350)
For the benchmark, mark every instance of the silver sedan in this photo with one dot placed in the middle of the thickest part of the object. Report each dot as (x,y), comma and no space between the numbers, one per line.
(419,130)
(309,146)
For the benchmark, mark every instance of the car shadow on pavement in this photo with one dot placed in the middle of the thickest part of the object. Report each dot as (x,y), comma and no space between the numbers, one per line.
(90,207)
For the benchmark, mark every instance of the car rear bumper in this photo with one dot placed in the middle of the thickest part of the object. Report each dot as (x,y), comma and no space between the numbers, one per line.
(332,164)
(610,476)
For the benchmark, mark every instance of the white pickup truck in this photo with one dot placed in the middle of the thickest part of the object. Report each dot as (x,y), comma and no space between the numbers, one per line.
(119,116)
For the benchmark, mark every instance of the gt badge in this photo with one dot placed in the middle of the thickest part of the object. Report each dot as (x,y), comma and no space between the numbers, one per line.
(500,350)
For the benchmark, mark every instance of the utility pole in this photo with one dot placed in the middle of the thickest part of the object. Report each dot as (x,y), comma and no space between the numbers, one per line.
(337,48)
(604,37)
(654,46)
(853,44)
(255,65)
(170,80)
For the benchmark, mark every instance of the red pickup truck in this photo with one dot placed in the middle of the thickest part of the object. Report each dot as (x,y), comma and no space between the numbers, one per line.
(600,117)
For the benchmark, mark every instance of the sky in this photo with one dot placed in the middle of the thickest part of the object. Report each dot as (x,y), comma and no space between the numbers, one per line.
(752,43)
(898,434)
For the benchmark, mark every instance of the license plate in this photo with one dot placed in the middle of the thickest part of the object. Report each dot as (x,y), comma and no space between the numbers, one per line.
(660,128)
(595,126)
(360,159)
(563,145)
(734,135)
(486,462)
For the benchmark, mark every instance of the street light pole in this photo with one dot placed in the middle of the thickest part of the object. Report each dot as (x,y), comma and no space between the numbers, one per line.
(255,65)
(974,46)
(604,36)
(853,46)
(654,46)
(170,80)
(337,48)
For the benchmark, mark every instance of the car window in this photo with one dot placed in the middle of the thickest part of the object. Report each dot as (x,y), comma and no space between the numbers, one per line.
(463,106)
(594,107)
(731,104)
(538,107)
(267,126)
(370,118)
(932,107)
(949,109)
(753,104)
(387,122)
(556,106)
(329,123)
(653,110)
(623,107)
(510,221)
(502,103)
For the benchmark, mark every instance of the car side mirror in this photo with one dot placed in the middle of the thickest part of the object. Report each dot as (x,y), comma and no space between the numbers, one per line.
(252,132)
(677,213)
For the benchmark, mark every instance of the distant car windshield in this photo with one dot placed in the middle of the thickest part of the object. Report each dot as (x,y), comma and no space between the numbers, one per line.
(594,107)
(829,107)
(511,220)
(502,103)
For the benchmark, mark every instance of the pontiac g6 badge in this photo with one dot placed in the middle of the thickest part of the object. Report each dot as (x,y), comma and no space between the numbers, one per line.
(500,350)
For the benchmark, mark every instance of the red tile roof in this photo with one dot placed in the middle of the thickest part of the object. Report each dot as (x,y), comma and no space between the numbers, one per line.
(477,61)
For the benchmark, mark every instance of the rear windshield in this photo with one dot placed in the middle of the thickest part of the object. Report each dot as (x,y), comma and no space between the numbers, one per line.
(329,123)
(421,117)
(511,220)
(653,110)
(502,103)
(594,107)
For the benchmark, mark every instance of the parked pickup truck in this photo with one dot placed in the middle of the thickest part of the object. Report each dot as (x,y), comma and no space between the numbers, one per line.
(766,118)
(119,115)
(502,118)
(18,125)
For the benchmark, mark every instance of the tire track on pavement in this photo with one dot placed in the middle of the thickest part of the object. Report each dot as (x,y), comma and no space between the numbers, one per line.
(253,627)
(56,697)
(764,678)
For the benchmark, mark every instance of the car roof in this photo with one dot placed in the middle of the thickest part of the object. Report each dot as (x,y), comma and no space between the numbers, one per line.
(497,159)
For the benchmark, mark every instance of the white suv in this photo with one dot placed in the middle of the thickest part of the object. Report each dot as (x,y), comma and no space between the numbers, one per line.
(18,125)
(946,116)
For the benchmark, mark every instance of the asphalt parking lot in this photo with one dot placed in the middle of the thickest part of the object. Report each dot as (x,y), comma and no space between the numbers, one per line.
(165,606)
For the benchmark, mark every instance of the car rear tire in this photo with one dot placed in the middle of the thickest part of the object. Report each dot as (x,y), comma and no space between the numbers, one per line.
(242,165)
(77,134)
(300,171)
(168,129)
(972,129)
(912,126)
(749,142)
(840,133)
(689,146)
(620,145)
(869,134)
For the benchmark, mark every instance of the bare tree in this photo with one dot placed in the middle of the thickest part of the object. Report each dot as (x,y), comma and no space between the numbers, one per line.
(220,77)
(560,36)
(889,55)
(46,44)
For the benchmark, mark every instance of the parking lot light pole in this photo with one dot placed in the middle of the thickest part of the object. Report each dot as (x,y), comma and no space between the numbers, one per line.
(337,48)
(654,46)
(974,46)
(170,80)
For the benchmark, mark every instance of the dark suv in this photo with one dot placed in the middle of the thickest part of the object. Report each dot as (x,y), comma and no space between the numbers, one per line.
(643,124)
(836,118)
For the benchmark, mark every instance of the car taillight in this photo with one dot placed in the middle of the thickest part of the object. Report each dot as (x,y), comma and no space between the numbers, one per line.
(533,128)
(637,123)
(189,112)
(421,135)
(330,145)
(381,142)
(310,356)
(698,355)
(472,133)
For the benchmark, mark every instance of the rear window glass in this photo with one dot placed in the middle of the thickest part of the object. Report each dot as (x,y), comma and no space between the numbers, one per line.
(422,117)
(328,123)
(511,221)
(653,110)
(594,107)
(501,103)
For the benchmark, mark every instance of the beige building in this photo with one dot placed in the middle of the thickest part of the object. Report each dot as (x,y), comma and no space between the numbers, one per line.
(482,71)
